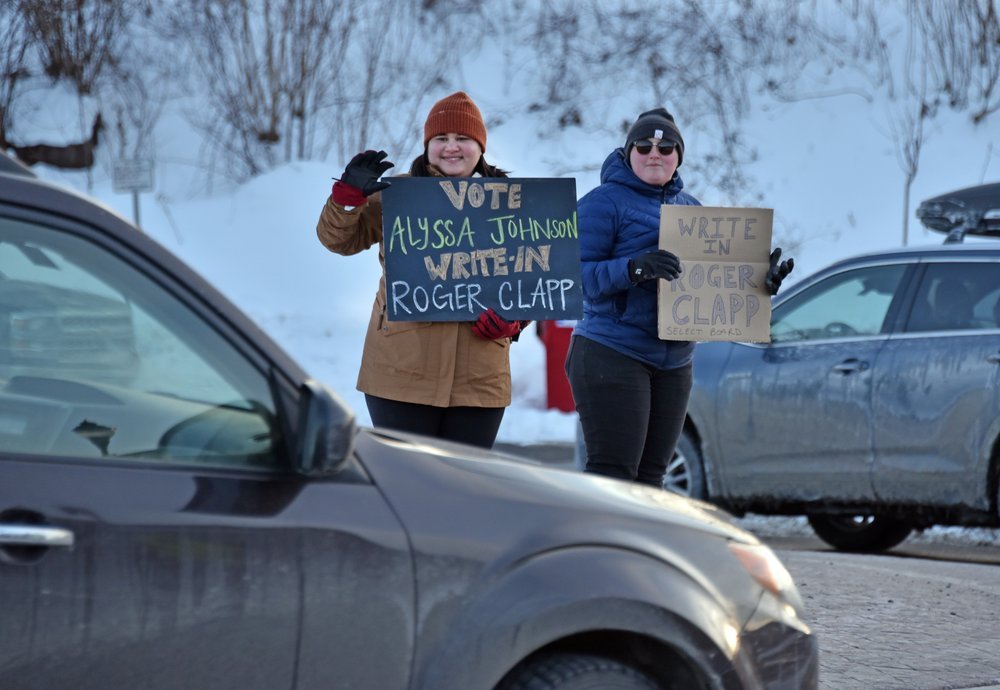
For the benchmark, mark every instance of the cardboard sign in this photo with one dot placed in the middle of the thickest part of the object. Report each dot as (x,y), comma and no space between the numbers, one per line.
(456,246)
(724,254)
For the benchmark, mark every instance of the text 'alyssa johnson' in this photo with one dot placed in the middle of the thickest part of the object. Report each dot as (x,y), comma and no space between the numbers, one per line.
(423,233)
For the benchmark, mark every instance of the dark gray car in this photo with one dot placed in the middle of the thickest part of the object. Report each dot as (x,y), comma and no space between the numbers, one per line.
(215,519)
(874,411)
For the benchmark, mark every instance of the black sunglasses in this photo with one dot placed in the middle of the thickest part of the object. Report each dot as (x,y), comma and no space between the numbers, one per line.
(664,147)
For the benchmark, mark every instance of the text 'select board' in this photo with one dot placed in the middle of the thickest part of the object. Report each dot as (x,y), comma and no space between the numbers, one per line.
(455,246)
(720,294)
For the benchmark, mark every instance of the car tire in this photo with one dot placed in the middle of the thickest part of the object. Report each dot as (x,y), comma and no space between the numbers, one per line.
(685,473)
(579,672)
(860,532)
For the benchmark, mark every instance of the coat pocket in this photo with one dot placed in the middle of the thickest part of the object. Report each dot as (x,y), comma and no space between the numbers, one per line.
(381,324)
(388,328)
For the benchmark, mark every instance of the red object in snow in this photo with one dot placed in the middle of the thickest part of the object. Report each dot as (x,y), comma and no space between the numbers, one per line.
(555,335)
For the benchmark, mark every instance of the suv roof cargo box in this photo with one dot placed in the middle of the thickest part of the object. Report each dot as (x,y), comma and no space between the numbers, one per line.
(969,211)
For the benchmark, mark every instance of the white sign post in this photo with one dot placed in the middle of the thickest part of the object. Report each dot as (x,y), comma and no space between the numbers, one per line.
(133,175)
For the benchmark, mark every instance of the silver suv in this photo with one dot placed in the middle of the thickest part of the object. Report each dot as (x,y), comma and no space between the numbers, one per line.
(875,410)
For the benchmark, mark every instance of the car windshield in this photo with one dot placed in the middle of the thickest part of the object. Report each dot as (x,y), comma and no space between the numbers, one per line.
(97,357)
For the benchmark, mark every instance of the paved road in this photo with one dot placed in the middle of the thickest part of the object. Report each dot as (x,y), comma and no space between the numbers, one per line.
(925,616)
(900,623)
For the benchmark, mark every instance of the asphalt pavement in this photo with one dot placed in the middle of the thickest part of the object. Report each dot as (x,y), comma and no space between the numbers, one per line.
(887,622)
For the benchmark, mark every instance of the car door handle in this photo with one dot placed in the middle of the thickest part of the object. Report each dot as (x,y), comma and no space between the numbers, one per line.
(850,365)
(994,358)
(34,535)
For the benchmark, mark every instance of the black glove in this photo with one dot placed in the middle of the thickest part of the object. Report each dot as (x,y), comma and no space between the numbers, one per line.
(658,264)
(363,172)
(777,272)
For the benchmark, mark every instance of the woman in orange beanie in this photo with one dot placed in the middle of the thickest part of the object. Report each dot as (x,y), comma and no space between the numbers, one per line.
(449,380)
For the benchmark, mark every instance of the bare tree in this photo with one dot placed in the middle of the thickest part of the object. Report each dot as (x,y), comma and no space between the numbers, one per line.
(78,40)
(392,72)
(88,43)
(13,64)
(290,79)
(949,57)
(962,44)
(269,68)
(294,79)
(230,53)
(702,60)
(136,107)
(314,58)
(908,114)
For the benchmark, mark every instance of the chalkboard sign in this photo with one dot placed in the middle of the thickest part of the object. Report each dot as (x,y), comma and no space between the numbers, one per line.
(455,246)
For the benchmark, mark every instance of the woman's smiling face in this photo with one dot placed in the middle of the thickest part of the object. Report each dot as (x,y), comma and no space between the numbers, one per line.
(456,155)
(653,167)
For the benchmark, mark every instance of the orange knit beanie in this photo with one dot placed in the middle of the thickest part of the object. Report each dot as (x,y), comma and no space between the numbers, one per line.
(456,113)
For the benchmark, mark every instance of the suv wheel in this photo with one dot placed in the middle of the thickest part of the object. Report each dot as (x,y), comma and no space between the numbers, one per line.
(860,532)
(686,472)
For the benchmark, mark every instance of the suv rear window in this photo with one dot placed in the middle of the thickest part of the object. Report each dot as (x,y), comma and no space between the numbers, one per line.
(957,296)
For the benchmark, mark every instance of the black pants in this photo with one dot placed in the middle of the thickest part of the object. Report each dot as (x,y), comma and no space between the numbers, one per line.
(477,426)
(632,414)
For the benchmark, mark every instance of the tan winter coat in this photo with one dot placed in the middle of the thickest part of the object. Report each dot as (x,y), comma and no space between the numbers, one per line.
(443,364)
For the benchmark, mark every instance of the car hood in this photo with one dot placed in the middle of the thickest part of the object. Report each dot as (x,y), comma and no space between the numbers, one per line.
(544,553)
(468,481)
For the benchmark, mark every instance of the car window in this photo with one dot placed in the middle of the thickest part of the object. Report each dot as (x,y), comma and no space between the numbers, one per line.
(848,304)
(957,297)
(98,360)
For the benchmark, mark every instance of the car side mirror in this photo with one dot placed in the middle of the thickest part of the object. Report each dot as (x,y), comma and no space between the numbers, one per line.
(326,431)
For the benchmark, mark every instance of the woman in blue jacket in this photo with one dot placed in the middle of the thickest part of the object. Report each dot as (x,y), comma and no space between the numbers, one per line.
(631,388)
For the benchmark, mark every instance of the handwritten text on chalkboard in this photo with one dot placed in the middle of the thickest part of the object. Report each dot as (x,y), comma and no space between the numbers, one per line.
(457,246)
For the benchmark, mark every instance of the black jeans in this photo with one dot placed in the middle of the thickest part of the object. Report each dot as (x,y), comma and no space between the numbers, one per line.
(632,414)
(477,426)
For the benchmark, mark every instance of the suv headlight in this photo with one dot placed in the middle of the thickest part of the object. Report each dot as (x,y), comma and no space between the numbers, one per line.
(764,567)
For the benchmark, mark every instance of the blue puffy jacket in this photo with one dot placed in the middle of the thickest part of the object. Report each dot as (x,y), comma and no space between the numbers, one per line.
(618,221)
